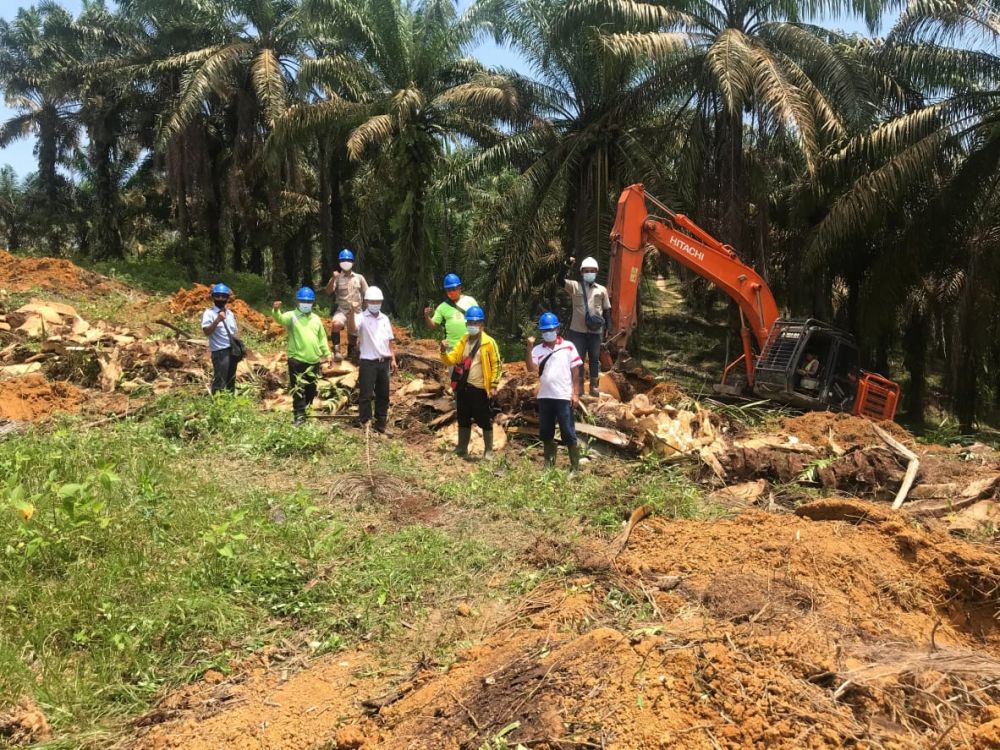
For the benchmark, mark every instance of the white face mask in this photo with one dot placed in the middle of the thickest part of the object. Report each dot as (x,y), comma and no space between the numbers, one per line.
(374,308)
(472,330)
(590,277)
(305,307)
(550,336)
(346,265)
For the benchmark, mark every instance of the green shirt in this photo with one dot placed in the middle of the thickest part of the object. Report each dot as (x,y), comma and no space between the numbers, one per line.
(306,336)
(453,319)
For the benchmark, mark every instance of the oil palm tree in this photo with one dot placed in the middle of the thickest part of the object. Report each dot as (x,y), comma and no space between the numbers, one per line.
(939,147)
(754,71)
(230,79)
(398,75)
(37,53)
(598,120)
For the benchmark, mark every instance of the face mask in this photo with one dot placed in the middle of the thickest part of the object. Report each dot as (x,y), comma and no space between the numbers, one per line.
(550,336)
(305,307)
(375,309)
(220,303)
(472,330)
(453,294)
(590,278)
(346,265)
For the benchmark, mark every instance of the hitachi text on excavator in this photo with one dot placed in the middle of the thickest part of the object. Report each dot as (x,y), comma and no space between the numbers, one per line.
(801,362)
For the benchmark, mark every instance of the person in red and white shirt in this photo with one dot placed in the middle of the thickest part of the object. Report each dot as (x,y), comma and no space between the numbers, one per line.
(557,362)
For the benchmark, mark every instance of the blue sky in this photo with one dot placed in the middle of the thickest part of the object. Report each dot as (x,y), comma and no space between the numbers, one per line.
(20,155)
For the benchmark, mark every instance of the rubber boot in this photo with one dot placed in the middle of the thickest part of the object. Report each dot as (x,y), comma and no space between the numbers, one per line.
(550,453)
(488,443)
(595,388)
(464,435)
(336,347)
(574,460)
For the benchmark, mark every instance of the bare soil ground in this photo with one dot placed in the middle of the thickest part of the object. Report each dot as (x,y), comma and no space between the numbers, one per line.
(761,631)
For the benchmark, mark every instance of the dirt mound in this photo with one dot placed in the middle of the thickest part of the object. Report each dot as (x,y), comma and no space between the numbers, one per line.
(783,633)
(817,428)
(33,397)
(23,725)
(763,631)
(19,274)
(193,301)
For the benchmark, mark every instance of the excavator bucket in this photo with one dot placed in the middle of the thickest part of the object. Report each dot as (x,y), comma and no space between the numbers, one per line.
(876,398)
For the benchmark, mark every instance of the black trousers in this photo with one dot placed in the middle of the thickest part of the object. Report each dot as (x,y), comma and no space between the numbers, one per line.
(588,346)
(223,371)
(474,407)
(373,384)
(302,384)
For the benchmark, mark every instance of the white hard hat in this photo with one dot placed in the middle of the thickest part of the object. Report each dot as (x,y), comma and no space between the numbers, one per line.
(589,263)
(374,294)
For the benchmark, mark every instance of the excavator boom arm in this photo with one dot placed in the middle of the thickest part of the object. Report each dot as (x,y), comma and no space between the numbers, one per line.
(680,239)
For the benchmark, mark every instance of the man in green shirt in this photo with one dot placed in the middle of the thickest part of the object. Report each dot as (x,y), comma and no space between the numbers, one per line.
(307,346)
(451,312)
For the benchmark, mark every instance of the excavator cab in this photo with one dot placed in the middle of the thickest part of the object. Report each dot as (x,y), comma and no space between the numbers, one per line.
(813,366)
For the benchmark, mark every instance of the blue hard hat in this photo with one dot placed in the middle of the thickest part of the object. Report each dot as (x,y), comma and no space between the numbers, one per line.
(475,314)
(548,321)
(221,289)
(305,294)
(346,254)
(451,281)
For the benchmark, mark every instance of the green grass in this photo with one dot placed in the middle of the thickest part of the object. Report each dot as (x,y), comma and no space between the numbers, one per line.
(161,547)
(138,567)
(547,498)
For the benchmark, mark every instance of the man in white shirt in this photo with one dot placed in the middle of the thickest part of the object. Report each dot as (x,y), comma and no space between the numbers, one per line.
(219,324)
(591,317)
(557,363)
(378,360)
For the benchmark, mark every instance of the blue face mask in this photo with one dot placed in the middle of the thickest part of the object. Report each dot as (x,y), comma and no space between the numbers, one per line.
(374,309)
(590,278)
(472,330)
(550,336)
(305,307)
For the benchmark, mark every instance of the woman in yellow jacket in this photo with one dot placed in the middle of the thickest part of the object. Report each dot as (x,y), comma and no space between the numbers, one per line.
(476,359)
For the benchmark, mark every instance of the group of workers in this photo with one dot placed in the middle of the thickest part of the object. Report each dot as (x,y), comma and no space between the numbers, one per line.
(471,355)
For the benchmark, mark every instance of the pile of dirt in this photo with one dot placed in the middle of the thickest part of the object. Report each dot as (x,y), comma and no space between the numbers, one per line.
(32,397)
(23,725)
(20,274)
(774,632)
(846,430)
(765,631)
(193,302)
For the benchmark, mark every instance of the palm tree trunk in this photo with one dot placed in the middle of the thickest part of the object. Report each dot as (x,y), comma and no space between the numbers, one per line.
(237,229)
(107,230)
(915,360)
(326,250)
(966,356)
(733,190)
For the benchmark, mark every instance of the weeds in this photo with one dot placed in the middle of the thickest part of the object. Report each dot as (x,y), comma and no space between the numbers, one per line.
(129,562)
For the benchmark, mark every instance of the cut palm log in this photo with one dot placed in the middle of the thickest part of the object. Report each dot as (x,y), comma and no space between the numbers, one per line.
(912,467)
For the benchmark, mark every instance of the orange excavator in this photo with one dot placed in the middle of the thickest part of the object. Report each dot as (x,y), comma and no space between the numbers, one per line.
(805,363)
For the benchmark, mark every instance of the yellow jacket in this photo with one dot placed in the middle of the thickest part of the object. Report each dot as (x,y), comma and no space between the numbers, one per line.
(489,354)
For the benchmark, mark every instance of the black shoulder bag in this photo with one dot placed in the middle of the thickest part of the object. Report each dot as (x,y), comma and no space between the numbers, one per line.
(237,349)
(594,322)
(460,373)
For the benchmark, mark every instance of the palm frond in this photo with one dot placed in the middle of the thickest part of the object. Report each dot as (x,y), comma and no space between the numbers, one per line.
(373,131)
